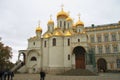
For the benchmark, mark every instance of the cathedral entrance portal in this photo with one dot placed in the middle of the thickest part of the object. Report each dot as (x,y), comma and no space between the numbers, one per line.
(79,57)
(101,65)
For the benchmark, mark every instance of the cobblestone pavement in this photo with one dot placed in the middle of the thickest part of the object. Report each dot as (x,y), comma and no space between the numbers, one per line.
(102,76)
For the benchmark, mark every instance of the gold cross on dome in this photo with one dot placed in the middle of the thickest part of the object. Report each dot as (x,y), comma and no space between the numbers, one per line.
(62,6)
(38,23)
(50,16)
(79,16)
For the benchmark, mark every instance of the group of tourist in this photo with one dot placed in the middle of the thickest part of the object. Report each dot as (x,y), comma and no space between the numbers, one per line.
(6,75)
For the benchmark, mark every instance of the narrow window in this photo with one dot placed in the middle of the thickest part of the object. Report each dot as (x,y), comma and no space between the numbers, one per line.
(68,57)
(106,37)
(118,63)
(78,40)
(44,43)
(114,37)
(64,24)
(68,42)
(107,49)
(99,38)
(100,49)
(115,49)
(60,23)
(33,43)
(54,42)
(92,39)
(68,25)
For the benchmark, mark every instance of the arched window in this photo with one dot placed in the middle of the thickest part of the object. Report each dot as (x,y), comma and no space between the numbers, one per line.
(54,42)
(68,25)
(33,43)
(68,57)
(60,23)
(44,43)
(78,40)
(68,42)
(33,59)
(64,24)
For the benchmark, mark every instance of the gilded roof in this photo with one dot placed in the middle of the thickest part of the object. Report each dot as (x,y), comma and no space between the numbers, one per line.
(58,32)
(47,35)
(68,33)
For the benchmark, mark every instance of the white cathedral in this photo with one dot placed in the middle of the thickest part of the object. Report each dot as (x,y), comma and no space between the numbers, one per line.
(70,45)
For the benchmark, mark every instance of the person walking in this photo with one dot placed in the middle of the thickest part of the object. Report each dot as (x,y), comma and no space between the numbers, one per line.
(42,75)
(1,75)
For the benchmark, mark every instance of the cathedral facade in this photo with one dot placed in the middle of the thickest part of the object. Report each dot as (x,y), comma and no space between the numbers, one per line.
(71,45)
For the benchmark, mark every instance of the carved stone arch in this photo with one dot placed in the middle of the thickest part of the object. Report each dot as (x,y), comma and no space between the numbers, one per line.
(79,52)
(33,50)
(102,65)
(24,56)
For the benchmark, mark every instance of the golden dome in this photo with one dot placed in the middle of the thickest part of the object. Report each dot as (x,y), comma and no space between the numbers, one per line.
(47,35)
(50,21)
(79,23)
(58,32)
(74,25)
(62,13)
(68,33)
(69,19)
(38,29)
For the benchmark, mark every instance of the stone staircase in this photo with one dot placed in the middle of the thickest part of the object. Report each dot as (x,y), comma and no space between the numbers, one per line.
(79,72)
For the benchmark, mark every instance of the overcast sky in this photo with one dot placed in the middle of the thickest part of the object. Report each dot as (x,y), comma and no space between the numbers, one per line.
(19,18)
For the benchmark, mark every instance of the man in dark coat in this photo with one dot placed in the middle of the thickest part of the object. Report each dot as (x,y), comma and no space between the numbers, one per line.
(1,75)
(42,75)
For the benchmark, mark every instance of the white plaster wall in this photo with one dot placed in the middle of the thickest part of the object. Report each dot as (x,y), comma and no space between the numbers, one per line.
(33,64)
(37,44)
(56,55)
(45,54)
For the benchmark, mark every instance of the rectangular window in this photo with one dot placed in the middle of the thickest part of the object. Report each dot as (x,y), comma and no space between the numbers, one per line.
(68,42)
(100,49)
(99,39)
(115,49)
(113,37)
(92,39)
(93,49)
(118,63)
(106,38)
(68,57)
(44,43)
(64,24)
(107,49)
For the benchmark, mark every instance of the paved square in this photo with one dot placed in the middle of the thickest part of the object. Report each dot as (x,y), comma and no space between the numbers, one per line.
(102,76)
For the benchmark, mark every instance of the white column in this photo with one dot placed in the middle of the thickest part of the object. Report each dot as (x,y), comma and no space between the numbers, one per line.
(110,38)
(111,48)
(117,35)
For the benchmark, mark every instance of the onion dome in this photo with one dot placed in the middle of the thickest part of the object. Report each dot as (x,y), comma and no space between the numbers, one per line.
(39,29)
(69,19)
(50,21)
(58,32)
(79,22)
(47,35)
(62,13)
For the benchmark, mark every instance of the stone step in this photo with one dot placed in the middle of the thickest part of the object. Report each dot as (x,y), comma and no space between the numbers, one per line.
(78,72)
